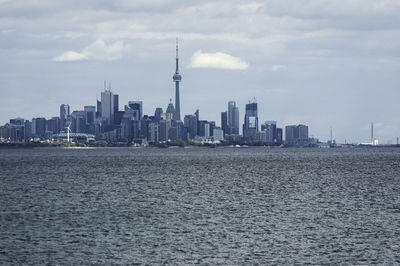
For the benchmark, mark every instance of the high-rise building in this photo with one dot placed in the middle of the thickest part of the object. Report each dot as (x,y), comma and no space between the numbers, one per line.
(153,132)
(177,78)
(197,114)
(16,129)
(279,136)
(116,103)
(53,125)
(250,126)
(170,111)
(303,132)
(218,134)
(78,120)
(28,129)
(203,128)
(231,105)
(190,122)
(235,129)
(224,122)
(98,112)
(90,114)
(164,127)
(107,107)
(39,127)
(269,127)
(137,106)
(290,134)
(64,113)
(296,135)
(157,114)
(90,118)
(233,118)
(212,126)
(207,130)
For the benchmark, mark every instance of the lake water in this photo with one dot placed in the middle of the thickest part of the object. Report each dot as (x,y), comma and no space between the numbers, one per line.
(201,205)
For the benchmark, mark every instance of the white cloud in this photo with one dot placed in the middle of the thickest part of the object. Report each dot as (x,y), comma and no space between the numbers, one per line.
(216,60)
(278,68)
(98,50)
(70,56)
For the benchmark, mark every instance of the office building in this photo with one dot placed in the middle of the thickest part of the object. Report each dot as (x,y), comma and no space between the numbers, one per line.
(269,127)
(137,107)
(98,112)
(107,108)
(153,132)
(64,113)
(16,130)
(233,118)
(218,134)
(296,135)
(190,123)
(157,114)
(78,122)
(170,113)
(279,136)
(39,127)
(90,114)
(224,122)
(53,125)
(250,126)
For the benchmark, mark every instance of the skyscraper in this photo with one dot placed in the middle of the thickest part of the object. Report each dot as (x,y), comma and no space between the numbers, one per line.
(231,105)
(64,113)
(250,126)
(107,107)
(191,125)
(235,125)
(38,127)
(177,78)
(138,107)
(170,111)
(233,118)
(269,127)
(224,122)
(90,114)
(116,103)
(157,114)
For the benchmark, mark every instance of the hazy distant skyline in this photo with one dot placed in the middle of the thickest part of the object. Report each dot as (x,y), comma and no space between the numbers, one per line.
(322,63)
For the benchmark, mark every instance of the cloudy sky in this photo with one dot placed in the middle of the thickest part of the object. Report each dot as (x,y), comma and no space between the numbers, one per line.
(319,62)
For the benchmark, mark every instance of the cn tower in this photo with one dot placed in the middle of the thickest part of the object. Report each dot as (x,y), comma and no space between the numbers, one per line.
(177,78)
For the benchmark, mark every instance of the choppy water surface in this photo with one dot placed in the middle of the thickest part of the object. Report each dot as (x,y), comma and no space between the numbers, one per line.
(202,205)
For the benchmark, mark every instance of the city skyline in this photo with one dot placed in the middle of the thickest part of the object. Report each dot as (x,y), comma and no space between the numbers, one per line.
(301,62)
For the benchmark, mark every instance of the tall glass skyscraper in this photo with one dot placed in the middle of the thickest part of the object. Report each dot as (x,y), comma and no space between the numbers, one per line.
(250,126)
(64,113)
(107,107)
(233,118)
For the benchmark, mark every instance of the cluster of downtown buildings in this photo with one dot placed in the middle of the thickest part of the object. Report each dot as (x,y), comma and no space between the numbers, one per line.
(106,122)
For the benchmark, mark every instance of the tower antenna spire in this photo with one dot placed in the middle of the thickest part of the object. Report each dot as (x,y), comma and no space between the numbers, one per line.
(176,47)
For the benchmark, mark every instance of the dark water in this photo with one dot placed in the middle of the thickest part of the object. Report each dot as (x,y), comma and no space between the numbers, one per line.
(208,206)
